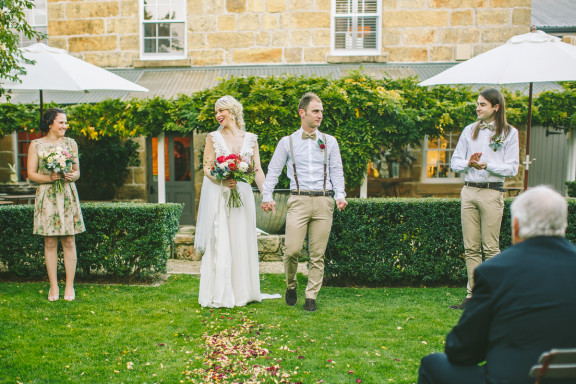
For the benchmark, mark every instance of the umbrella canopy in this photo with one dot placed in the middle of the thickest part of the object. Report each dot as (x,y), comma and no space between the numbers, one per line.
(55,70)
(528,58)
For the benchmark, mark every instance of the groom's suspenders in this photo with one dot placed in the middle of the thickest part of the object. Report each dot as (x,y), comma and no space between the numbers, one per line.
(294,163)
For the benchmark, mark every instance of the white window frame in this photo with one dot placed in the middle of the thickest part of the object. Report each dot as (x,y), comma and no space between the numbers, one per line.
(439,180)
(37,18)
(355,15)
(168,55)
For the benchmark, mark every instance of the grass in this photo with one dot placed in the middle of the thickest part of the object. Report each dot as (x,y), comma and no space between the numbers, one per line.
(145,334)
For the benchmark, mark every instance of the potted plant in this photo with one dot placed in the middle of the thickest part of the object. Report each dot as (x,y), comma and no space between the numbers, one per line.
(272,223)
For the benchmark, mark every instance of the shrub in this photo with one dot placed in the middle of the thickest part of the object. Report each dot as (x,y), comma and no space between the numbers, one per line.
(571,188)
(391,242)
(123,241)
(104,165)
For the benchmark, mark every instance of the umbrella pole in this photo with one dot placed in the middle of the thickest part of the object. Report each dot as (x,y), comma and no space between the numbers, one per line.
(528,125)
(41,107)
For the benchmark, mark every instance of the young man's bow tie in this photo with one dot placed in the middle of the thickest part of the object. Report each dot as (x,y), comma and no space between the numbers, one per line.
(308,135)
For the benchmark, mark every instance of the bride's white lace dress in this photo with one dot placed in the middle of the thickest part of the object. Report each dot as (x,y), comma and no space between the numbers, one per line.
(229,275)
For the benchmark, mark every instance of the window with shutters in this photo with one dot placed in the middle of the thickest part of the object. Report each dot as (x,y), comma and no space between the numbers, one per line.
(356,27)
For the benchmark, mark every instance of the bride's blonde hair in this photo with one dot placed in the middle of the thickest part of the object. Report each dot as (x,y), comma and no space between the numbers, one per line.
(235,108)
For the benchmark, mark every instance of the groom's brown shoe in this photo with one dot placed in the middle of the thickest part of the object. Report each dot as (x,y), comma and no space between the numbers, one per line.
(310,305)
(291,296)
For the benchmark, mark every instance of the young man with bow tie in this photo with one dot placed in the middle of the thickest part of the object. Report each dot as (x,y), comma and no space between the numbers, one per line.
(487,152)
(314,167)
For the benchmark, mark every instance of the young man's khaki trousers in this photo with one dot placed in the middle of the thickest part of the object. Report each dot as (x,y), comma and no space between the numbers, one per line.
(310,215)
(482,210)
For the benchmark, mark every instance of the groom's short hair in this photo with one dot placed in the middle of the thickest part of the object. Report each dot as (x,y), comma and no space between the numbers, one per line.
(306,99)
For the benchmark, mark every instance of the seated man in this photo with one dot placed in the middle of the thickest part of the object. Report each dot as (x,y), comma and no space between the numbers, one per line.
(523,302)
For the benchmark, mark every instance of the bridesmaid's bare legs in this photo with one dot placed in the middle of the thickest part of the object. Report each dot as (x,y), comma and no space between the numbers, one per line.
(51,257)
(69,247)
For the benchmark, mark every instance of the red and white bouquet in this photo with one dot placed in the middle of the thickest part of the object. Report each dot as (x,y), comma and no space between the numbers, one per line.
(233,167)
(59,160)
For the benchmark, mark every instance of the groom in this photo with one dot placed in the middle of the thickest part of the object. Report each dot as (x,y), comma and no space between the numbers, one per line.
(314,167)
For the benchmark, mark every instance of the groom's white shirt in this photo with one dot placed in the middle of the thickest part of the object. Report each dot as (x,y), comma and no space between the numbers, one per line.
(309,165)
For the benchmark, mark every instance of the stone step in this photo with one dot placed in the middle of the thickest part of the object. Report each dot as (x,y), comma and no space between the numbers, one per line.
(270,247)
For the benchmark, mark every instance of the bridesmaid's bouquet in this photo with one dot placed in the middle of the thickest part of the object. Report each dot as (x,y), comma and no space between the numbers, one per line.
(233,167)
(59,160)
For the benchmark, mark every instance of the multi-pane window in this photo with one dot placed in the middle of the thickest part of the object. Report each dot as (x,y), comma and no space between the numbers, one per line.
(37,18)
(437,154)
(356,27)
(164,28)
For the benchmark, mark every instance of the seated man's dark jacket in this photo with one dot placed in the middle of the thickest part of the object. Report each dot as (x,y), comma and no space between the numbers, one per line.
(523,303)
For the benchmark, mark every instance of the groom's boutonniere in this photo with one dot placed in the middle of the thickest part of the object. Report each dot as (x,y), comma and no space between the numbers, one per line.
(321,144)
(496,143)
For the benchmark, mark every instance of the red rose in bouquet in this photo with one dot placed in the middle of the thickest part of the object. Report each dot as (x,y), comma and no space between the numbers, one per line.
(233,167)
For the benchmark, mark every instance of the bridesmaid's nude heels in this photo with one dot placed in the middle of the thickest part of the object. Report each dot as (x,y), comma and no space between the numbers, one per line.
(53,298)
(70,297)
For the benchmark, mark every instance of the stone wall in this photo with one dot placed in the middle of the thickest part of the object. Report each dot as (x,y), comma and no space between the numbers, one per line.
(242,32)
(103,32)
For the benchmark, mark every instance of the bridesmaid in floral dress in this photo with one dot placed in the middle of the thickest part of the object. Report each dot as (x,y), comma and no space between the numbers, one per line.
(57,211)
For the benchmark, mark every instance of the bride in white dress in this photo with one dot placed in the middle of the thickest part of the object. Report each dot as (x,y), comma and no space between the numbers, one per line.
(229,275)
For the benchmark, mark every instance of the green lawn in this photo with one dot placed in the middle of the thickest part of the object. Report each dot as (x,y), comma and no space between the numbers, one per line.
(144,334)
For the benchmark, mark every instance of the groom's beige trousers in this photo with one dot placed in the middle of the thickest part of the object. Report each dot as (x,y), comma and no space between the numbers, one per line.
(310,215)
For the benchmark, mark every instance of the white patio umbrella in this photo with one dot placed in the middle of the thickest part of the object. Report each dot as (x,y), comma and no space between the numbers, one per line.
(528,58)
(55,70)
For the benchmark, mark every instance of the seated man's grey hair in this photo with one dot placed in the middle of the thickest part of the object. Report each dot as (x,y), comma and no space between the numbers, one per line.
(541,211)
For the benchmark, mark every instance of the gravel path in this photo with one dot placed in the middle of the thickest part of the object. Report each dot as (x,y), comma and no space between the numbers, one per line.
(193,267)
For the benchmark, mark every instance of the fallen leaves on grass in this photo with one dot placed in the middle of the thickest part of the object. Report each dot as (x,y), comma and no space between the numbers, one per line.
(238,355)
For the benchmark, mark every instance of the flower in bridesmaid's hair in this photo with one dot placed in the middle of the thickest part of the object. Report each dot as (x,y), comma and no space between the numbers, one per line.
(321,144)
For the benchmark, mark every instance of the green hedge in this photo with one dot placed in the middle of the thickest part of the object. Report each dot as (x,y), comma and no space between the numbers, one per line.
(416,242)
(123,241)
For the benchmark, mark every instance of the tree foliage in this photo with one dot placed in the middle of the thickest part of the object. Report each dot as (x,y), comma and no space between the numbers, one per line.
(12,23)
(364,113)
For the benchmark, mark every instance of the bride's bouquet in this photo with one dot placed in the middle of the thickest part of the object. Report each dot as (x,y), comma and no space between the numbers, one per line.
(59,160)
(234,167)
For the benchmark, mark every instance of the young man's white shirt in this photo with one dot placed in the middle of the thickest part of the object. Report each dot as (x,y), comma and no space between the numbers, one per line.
(499,164)
(309,165)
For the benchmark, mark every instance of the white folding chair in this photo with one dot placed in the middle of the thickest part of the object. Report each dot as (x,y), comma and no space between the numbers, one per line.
(555,364)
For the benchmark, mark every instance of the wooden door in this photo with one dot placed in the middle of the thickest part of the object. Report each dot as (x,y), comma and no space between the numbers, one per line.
(179,163)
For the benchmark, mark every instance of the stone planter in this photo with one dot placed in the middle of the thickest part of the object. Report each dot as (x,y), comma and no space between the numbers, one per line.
(273,223)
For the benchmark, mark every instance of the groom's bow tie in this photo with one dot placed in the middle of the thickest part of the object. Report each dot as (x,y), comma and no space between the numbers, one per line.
(487,126)
(308,135)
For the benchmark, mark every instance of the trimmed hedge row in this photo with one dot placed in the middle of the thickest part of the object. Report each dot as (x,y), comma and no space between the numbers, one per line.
(416,242)
(123,241)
